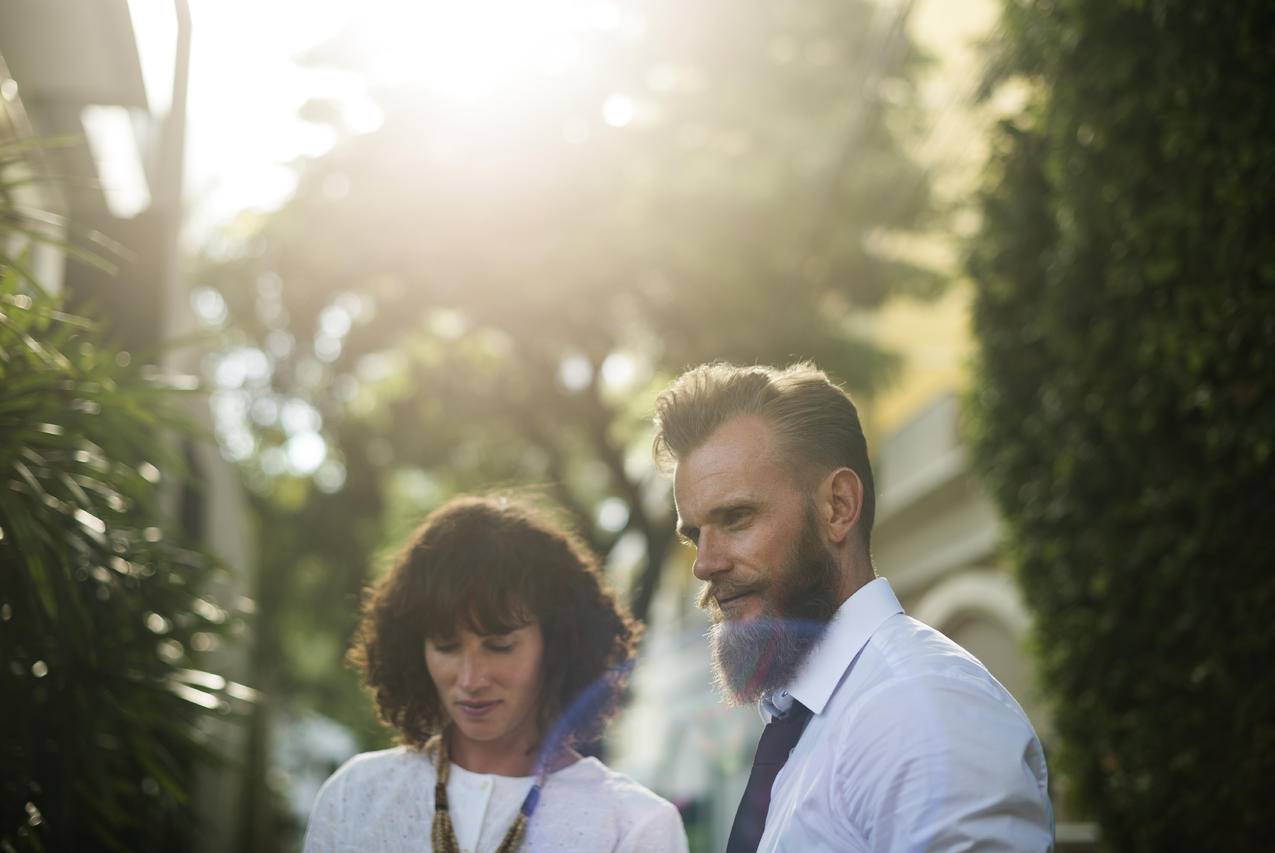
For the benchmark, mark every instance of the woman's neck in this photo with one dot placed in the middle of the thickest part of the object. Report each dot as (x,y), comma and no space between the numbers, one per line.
(494,758)
(503,759)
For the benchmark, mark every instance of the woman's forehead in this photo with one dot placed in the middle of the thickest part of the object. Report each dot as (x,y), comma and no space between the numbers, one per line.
(474,606)
(493,625)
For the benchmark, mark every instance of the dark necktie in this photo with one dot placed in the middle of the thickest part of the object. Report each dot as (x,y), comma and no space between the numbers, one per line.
(777,740)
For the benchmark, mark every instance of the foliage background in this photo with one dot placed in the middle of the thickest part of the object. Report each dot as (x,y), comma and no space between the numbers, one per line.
(1125,405)
(106,710)
(467,299)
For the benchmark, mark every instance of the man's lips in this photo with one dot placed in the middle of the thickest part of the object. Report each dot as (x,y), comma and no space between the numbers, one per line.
(720,598)
(734,599)
(475,710)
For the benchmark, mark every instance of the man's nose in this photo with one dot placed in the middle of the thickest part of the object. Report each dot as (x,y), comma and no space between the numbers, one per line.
(710,556)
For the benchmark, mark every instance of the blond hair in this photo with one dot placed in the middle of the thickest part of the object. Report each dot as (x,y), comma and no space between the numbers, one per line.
(815,422)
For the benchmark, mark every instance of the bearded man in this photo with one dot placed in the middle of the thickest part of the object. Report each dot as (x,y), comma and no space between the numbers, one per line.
(882,734)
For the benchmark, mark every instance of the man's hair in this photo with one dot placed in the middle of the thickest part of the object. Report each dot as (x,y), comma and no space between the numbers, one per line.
(491,565)
(815,422)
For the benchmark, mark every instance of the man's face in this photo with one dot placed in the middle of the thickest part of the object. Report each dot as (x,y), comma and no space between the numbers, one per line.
(770,583)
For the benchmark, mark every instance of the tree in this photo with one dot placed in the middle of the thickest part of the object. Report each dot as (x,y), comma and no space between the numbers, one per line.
(477,296)
(1125,403)
(102,618)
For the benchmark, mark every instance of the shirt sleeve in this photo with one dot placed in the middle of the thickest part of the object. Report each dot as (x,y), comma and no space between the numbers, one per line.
(658,831)
(941,764)
(323,832)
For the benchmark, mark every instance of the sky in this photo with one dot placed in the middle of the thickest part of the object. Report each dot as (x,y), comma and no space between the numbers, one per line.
(243,132)
(246,85)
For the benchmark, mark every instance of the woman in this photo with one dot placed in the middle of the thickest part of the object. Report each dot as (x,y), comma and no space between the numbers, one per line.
(493,648)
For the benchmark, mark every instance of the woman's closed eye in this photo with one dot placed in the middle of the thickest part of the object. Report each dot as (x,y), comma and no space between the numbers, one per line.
(494,643)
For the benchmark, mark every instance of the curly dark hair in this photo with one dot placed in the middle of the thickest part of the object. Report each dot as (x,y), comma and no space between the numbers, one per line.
(492,565)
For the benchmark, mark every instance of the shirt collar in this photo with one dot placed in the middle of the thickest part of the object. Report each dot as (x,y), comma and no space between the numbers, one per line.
(855,621)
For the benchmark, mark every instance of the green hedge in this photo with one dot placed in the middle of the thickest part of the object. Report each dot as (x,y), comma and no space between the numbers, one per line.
(1124,410)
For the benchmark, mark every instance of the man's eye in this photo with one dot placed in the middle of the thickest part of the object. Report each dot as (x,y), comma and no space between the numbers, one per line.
(445,648)
(500,647)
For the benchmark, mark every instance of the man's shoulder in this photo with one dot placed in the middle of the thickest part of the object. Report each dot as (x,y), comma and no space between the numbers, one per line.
(909,669)
(915,695)
(902,647)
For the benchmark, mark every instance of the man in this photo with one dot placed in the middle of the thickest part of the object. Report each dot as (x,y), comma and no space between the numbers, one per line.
(904,741)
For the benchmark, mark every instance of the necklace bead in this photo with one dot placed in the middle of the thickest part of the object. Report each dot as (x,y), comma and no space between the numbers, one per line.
(443,833)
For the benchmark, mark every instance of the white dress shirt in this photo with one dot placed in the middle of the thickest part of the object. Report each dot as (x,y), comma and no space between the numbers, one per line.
(384,801)
(913,745)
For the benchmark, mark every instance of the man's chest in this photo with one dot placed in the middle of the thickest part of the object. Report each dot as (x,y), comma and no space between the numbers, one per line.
(807,812)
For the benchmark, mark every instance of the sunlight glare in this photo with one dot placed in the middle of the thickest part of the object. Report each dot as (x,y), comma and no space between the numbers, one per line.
(305,452)
(469,50)
(618,110)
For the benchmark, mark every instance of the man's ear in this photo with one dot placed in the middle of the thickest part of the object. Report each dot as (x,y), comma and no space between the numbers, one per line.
(840,504)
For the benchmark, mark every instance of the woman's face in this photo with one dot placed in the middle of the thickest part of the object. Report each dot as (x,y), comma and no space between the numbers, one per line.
(489,685)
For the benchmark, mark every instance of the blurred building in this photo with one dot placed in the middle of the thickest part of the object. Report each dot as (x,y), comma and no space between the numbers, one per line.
(79,73)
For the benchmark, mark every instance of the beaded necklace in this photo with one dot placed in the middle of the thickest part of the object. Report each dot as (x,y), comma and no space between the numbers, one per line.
(443,834)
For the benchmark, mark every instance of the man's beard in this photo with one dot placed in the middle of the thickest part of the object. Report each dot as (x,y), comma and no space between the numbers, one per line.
(752,657)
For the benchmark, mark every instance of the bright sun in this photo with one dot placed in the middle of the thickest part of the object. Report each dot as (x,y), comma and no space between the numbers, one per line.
(470,49)
(478,53)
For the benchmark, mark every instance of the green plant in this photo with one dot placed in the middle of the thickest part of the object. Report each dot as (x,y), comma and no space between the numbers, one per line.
(1124,412)
(101,615)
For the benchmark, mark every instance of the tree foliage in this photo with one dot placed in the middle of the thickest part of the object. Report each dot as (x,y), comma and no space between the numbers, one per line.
(1125,406)
(476,296)
(101,615)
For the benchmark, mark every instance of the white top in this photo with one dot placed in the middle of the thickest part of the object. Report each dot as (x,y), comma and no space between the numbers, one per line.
(384,801)
(913,745)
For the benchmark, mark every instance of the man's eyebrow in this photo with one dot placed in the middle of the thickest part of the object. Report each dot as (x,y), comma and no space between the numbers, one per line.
(718,514)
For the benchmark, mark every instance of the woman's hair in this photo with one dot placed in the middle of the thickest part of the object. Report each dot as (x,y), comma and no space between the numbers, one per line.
(491,565)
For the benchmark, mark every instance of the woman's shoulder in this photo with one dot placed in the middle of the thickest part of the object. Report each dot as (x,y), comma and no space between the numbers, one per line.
(380,766)
(592,775)
(598,808)
(364,797)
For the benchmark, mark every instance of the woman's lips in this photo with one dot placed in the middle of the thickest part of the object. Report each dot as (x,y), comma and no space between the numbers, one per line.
(476,710)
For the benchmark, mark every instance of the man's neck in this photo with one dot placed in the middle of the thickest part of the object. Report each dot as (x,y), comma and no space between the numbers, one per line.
(857,572)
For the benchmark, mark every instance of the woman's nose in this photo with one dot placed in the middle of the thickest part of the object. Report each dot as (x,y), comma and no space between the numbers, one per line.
(473,672)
